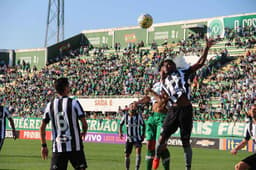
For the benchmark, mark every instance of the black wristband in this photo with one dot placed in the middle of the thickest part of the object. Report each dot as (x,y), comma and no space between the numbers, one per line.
(44,145)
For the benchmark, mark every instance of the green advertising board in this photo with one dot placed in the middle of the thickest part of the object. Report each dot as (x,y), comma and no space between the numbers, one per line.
(35,57)
(100,39)
(130,36)
(240,21)
(216,28)
(200,129)
(168,32)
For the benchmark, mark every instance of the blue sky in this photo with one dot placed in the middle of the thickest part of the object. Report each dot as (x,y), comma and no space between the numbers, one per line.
(23,22)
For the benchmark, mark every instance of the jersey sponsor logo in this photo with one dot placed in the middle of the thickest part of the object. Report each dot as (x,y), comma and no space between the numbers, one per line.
(63,139)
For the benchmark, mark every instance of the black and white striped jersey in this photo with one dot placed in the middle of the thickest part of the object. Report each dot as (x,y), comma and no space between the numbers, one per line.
(250,131)
(64,114)
(4,113)
(135,127)
(177,83)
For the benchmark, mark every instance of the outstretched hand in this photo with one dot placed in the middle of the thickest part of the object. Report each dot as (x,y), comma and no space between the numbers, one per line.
(44,153)
(233,151)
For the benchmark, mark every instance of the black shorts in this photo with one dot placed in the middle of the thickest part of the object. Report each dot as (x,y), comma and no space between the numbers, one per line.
(181,117)
(60,160)
(129,146)
(251,161)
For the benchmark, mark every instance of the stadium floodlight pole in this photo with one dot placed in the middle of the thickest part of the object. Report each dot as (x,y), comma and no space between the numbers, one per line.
(58,21)
(62,18)
(55,22)
(47,23)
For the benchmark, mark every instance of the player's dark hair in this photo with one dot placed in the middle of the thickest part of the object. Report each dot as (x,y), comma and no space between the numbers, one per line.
(163,61)
(60,84)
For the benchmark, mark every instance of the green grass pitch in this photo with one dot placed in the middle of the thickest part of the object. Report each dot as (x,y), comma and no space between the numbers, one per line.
(25,154)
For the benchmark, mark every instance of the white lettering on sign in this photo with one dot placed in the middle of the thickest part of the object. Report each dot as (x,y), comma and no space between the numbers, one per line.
(93,138)
(161,35)
(231,129)
(245,22)
(97,125)
(175,142)
(31,135)
(26,123)
(203,128)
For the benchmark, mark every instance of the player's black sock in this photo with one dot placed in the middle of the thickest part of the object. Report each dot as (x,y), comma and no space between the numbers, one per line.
(149,159)
(188,157)
(138,158)
(165,156)
(127,163)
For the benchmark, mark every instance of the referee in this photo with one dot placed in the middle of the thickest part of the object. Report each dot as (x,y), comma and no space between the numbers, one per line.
(67,145)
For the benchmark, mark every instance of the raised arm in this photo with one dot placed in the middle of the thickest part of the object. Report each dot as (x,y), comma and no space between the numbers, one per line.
(201,61)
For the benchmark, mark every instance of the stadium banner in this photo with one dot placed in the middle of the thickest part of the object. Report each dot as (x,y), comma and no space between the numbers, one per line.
(104,138)
(240,21)
(166,32)
(130,35)
(35,57)
(196,142)
(99,39)
(33,134)
(90,136)
(231,143)
(200,129)
(215,28)
(8,134)
(105,104)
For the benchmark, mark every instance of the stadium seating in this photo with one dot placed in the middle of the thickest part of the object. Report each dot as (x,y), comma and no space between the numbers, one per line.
(126,72)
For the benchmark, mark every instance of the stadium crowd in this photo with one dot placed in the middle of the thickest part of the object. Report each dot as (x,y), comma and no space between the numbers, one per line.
(229,84)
